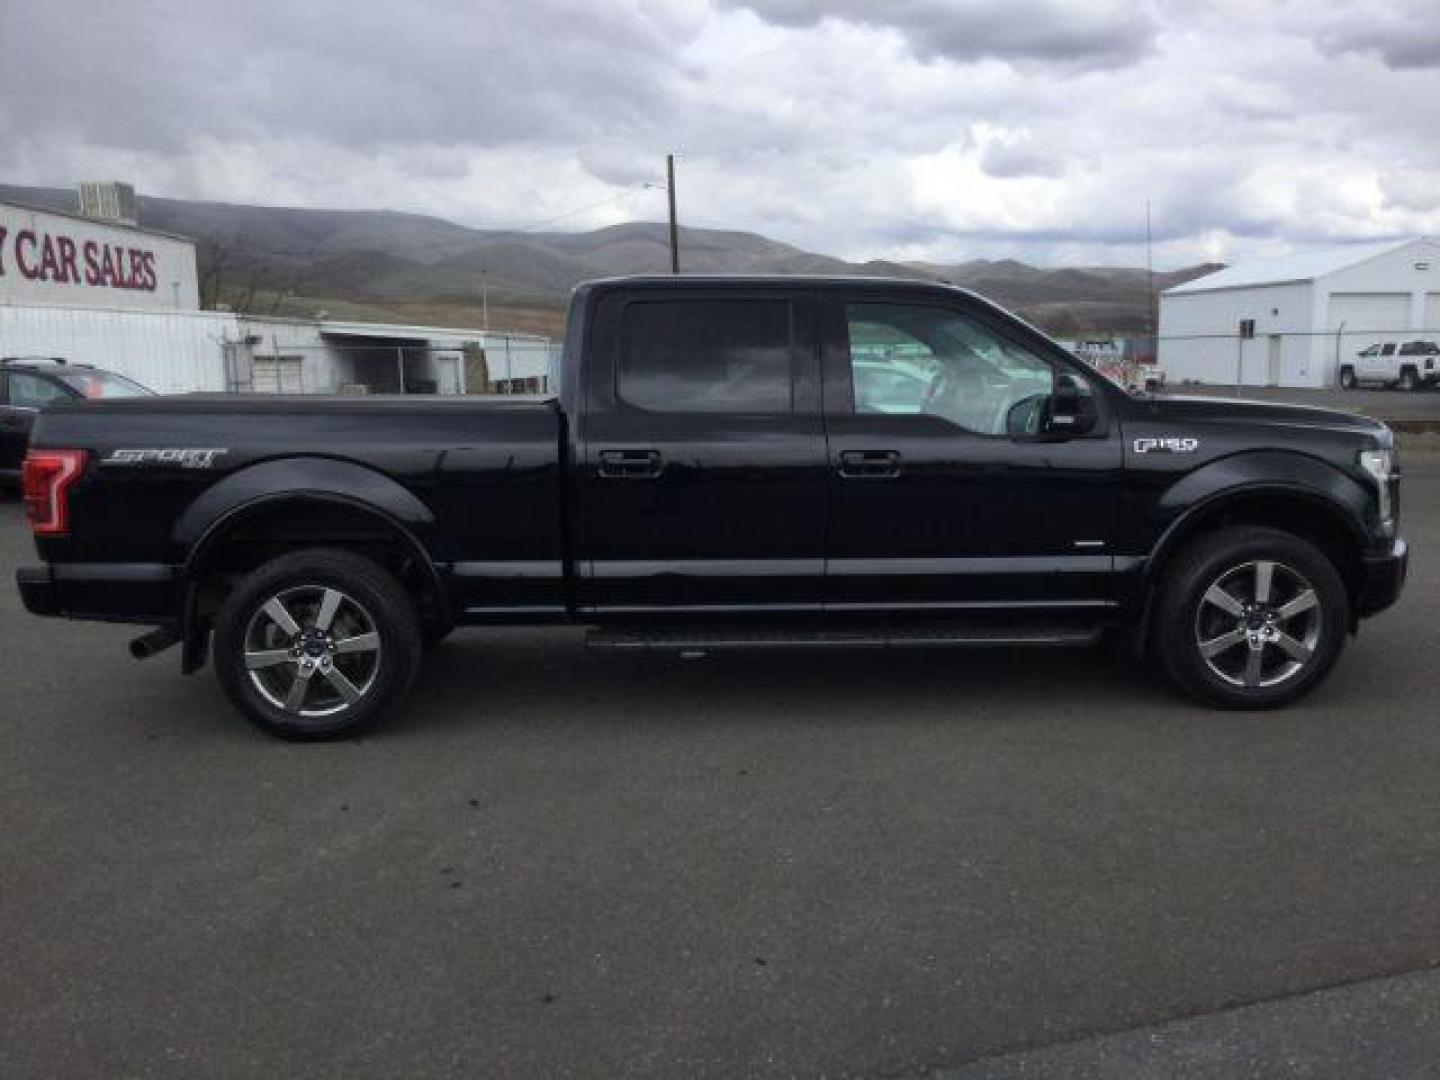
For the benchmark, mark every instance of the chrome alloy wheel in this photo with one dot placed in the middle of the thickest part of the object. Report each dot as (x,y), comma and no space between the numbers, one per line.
(312,651)
(1258,624)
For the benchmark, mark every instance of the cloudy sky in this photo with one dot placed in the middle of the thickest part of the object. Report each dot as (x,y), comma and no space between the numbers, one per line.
(917,129)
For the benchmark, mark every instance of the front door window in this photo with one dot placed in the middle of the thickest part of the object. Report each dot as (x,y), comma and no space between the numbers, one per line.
(914,360)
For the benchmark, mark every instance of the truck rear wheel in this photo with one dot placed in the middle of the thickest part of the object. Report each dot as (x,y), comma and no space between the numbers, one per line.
(317,644)
(1251,618)
(1408,381)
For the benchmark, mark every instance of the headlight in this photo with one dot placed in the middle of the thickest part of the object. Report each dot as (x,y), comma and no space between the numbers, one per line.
(1380,464)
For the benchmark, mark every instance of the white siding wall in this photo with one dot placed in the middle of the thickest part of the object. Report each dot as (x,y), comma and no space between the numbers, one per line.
(171,352)
(1198,335)
(180,352)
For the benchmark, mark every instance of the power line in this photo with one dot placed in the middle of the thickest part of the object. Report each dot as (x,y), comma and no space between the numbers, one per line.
(584,209)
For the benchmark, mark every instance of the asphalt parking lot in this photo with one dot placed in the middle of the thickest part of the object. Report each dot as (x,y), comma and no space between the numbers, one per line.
(569,864)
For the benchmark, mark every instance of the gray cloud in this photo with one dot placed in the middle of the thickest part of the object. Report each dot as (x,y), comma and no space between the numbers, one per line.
(1404,37)
(927,129)
(1096,34)
(156,74)
(1019,158)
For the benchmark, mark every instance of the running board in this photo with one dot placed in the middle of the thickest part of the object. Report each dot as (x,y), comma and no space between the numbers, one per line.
(944,636)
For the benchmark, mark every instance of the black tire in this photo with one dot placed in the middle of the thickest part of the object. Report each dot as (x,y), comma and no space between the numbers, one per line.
(1347,378)
(1189,621)
(1408,381)
(346,690)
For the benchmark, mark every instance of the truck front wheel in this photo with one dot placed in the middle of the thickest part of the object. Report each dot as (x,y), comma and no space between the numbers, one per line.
(1347,378)
(1250,618)
(317,644)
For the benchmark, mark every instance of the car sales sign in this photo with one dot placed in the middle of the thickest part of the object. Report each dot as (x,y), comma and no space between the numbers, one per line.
(48,258)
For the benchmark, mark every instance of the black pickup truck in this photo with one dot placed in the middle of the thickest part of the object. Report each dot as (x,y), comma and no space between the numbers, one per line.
(728,463)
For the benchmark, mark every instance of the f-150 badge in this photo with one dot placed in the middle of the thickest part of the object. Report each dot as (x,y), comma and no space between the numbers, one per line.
(1168,444)
(186,457)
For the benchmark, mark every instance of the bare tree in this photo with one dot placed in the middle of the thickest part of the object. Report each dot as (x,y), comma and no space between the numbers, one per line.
(234,275)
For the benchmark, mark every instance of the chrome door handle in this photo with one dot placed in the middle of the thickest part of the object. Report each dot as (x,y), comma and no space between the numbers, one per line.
(869,464)
(630,464)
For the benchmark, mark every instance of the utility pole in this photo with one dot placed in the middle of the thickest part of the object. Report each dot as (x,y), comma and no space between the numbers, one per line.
(674,229)
(1150,271)
(485,301)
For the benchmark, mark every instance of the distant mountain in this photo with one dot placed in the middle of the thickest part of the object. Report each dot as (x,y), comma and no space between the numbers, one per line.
(389,260)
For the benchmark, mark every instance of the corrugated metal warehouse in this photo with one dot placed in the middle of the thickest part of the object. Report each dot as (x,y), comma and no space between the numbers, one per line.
(126,298)
(1309,313)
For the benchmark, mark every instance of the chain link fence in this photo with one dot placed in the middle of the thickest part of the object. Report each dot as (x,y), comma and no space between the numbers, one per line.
(1342,357)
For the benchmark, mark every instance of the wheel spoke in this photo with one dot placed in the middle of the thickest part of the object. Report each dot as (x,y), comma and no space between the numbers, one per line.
(280,617)
(1264,574)
(347,689)
(1253,666)
(295,700)
(359,643)
(263,658)
(329,604)
(1221,599)
(1217,645)
(1294,648)
(1298,606)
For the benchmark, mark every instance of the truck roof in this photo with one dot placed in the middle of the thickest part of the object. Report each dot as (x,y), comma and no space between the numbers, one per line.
(857,281)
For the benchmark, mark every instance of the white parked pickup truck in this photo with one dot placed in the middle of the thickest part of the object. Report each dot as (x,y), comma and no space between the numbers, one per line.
(1406,366)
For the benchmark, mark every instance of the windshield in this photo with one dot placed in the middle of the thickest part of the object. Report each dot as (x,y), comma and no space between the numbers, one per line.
(103,384)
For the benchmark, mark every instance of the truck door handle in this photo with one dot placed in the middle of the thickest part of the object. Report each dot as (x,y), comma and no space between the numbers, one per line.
(630,464)
(869,464)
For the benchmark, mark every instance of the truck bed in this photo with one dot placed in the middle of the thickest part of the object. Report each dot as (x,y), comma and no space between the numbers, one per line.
(472,478)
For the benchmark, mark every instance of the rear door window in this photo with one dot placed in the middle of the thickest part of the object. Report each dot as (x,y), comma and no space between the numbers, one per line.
(102,384)
(709,356)
(32,391)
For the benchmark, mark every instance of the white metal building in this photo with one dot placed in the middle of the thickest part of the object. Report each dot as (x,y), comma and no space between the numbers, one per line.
(126,298)
(1309,310)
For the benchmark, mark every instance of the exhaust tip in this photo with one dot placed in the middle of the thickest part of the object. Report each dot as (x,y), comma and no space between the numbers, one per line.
(156,641)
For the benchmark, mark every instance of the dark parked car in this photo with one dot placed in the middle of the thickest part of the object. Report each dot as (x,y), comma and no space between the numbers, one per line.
(29,384)
(710,476)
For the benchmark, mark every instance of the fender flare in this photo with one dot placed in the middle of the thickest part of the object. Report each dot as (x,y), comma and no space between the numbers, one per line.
(1207,491)
(1283,473)
(304,479)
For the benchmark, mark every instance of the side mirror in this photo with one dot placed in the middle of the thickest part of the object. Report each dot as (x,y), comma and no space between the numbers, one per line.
(1072,407)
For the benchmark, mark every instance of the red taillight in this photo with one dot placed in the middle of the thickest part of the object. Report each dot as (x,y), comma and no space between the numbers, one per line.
(47,478)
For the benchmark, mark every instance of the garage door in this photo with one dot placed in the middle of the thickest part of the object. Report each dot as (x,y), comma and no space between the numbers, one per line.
(1432,313)
(1370,312)
(277,375)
